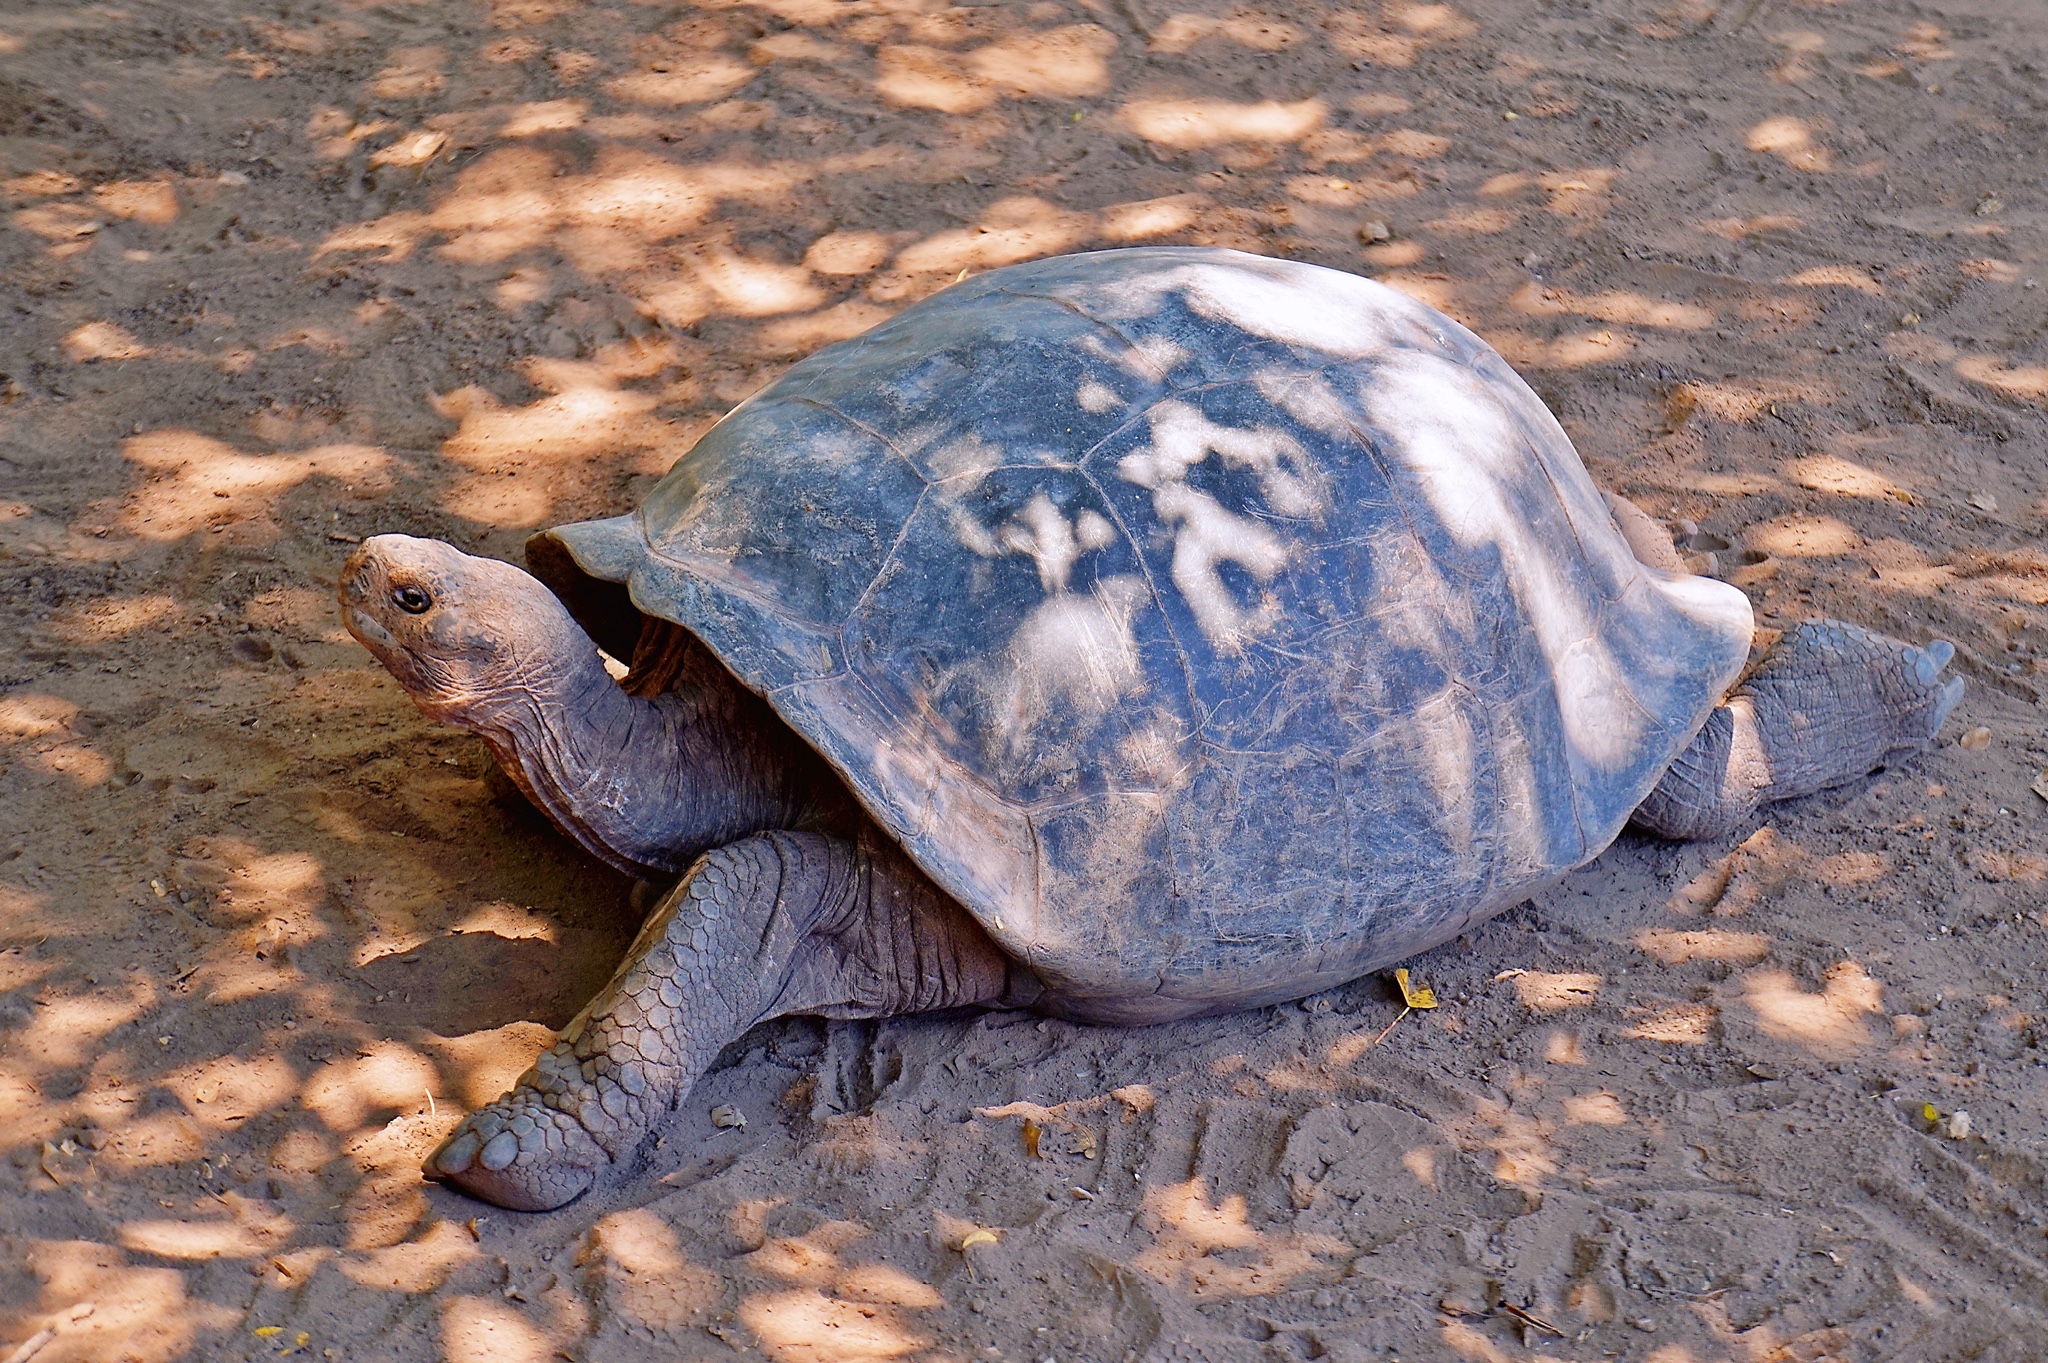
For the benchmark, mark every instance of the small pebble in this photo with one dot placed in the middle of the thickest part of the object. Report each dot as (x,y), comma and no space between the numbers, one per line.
(1645,1324)
(1976,740)
(1375,231)
(1956,1126)
(725,1115)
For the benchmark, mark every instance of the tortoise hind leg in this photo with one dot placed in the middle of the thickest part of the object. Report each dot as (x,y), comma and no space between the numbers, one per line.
(774,924)
(1831,702)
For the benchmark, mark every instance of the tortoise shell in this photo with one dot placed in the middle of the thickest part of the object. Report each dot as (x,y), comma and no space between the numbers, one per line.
(1214,628)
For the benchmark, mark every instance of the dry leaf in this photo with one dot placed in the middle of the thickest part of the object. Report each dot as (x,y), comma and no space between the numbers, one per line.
(1087,1140)
(725,1116)
(1032,1131)
(1984,501)
(1414,995)
(977,1237)
(1976,740)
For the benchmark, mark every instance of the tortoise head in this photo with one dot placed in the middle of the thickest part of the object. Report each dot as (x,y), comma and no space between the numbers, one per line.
(463,635)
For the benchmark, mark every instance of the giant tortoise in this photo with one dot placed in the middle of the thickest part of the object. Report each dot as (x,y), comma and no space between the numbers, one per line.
(1128,636)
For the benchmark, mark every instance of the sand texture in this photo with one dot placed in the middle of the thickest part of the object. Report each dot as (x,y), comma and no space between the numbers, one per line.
(275,277)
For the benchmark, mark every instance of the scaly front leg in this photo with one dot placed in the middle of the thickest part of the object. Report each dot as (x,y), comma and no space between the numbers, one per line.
(773,924)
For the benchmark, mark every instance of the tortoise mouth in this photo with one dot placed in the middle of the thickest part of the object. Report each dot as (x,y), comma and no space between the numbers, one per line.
(370,632)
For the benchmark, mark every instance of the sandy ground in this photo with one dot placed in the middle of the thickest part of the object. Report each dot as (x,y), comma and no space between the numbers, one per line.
(277,280)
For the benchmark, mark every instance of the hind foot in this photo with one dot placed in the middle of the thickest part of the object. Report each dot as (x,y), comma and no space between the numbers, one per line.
(1831,703)
(1834,702)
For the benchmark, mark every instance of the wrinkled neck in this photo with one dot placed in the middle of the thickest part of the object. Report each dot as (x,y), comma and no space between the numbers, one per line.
(646,783)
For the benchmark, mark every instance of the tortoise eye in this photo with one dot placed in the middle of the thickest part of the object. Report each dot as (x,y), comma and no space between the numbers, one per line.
(412,600)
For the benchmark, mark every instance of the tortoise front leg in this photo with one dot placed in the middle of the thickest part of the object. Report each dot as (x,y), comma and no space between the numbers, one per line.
(774,924)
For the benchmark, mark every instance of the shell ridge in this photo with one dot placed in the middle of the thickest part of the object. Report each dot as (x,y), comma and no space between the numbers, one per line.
(882,569)
(1061,300)
(1180,652)
(884,441)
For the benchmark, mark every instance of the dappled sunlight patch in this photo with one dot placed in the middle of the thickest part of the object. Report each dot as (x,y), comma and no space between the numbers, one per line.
(1791,141)
(66,1028)
(840,322)
(690,80)
(1991,271)
(2026,382)
(913,77)
(413,72)
(414,149)
(196,482)
(29,715)
(1522,1153)
(112,618)
(481,1330)
(23,1113)
(1614,305)
(806,1326)
(227,1090)
(479,1066)
(1853,868)
(1210,1248)
(756,288)
(1191,124)
(1063,63)
(204,1238)
(503,918)
(1744,403)
(1676,948)
(1012,229)
(1577,193)
(1806,537)
(103,341)
(1836,277)
(1147,218)
(129,1301)
(1741,229)
(1595,1109)
(1437,290)
(1260,32)
(1474,222)
(644,1274)
(1832,473)
(545,116)
(586,414)
(1832,1023)
(888,1285)
(1684,1024)
(1561,1047)
(149,201)
(384,1077)
(79,762)
(418,1265)
(1576,350)
(847,252)
(158,1139)
(1547,992)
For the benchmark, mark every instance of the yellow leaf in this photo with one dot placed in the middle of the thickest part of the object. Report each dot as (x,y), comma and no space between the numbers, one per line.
(1930,1112)
(1032,1131)
(300,1341)
(1414,995)
(977,1237)
(266,1331)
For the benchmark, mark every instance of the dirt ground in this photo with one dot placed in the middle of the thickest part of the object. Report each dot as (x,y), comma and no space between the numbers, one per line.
(281,276)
